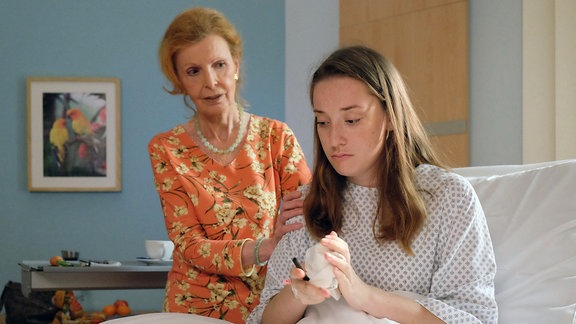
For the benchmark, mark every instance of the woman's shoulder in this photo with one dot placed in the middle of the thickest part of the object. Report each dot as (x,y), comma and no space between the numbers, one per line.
(447,194)
(304,189)
(270,123)
(433,178)
(169,135)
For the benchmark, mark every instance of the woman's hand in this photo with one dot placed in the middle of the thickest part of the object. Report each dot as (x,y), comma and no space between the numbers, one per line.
(353,289)
(305,292)
(291,207)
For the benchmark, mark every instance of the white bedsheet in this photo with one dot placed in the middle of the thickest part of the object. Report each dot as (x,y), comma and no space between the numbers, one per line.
(531,212)
(167,318)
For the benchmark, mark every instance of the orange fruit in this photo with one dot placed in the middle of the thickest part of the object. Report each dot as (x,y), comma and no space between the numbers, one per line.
(123,310)
(119,302)
(55,260)
(109,310)
(58,299)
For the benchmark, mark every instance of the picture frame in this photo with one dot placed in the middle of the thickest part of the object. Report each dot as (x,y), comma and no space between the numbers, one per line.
(74,141)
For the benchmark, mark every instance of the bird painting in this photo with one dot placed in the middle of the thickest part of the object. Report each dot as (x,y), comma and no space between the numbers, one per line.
(58,138)
(75,134)
(80,124)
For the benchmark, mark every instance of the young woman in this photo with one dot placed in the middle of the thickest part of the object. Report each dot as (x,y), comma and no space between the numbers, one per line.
(413,237)
(221,175)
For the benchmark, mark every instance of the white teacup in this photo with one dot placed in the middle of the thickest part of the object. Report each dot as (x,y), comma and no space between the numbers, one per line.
(157,249)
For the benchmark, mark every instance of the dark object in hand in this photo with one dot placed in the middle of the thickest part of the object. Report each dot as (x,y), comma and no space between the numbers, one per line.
(299,266)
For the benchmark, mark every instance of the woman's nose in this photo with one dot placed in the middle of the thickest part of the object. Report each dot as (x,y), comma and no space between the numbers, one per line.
(210,79)
(336,135)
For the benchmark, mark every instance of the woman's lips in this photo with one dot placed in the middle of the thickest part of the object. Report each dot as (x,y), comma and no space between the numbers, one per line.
(341,156)
(213,99)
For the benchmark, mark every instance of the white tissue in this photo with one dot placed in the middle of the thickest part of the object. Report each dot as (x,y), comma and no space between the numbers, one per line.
(321,272)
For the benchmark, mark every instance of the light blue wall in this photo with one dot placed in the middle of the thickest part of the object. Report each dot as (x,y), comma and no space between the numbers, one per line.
(108,38)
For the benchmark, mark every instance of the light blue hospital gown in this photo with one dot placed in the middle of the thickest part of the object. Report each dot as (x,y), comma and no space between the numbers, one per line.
(452,271)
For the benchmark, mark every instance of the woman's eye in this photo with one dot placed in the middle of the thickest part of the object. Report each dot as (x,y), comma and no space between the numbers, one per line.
(220,64)
(352,121)
(192,71)
(320,123)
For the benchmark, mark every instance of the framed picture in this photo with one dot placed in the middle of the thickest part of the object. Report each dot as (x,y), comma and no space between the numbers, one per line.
(74,134)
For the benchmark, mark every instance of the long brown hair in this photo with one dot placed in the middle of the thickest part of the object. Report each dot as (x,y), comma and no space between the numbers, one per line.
(401,209)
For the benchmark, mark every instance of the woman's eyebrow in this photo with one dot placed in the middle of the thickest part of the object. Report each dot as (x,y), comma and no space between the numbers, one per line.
(347,108)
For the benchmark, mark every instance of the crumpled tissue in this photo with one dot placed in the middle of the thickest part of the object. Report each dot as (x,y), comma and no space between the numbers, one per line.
(321,272)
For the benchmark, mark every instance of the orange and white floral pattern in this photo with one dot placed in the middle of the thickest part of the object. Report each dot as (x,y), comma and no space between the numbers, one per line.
(211,209)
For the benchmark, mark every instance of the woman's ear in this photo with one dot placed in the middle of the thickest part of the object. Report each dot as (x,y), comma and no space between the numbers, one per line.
(237,63)
(389,126)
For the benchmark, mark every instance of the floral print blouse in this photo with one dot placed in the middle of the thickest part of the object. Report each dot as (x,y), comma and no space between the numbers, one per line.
(211,209)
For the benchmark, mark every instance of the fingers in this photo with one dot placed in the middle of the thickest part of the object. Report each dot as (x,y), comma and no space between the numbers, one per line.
(292,195)
(304,291)
(291,227)
(338,257)
(282,228)
(336,244)
(336,260)
(291,207)
(297,273)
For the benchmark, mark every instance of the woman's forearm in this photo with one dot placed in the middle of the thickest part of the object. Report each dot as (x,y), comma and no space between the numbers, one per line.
(283,308)
(383,304)
(264,252)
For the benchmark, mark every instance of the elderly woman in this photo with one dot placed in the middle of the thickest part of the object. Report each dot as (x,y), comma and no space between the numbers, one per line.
(220,175)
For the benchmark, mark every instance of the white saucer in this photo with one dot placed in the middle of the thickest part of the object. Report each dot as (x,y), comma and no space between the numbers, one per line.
(155,261)
(105,263)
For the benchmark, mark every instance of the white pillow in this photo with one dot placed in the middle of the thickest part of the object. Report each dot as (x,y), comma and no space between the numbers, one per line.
(338,311)
(166,318)
(532,219)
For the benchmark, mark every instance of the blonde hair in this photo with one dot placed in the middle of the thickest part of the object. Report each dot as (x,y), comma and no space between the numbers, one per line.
(190,27)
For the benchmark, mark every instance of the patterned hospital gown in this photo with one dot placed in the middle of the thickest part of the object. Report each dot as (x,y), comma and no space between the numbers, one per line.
(452,271)
(210,210)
